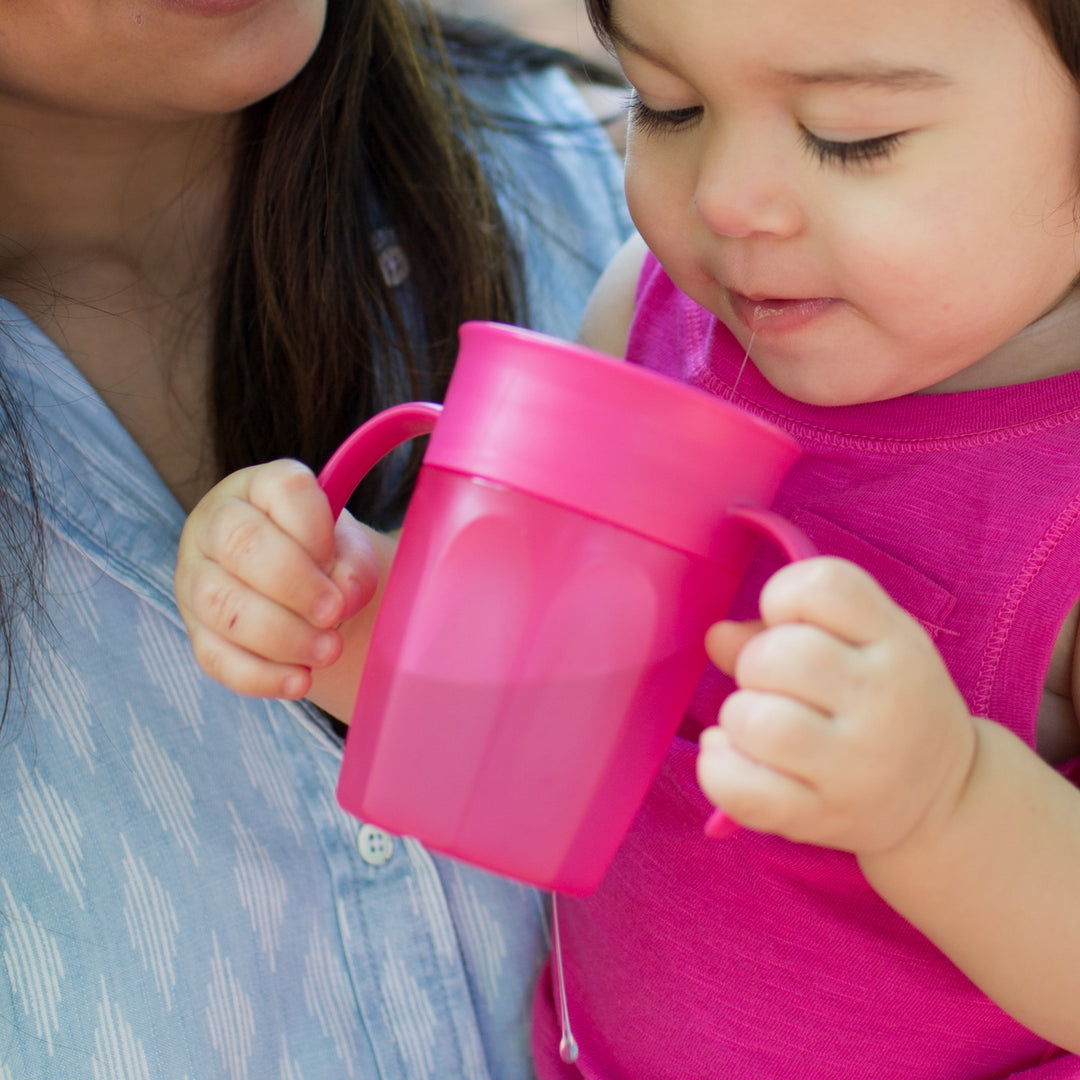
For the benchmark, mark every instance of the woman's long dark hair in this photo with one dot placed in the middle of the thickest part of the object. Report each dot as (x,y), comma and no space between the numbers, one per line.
(309,337)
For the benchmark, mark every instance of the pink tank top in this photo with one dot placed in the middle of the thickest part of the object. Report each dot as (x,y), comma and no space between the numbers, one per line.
(754,958)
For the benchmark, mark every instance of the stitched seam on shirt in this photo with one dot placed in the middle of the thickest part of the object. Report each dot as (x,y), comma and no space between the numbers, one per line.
(1006,615)
(919,446)
(695,319)
(695,340)
(872,444)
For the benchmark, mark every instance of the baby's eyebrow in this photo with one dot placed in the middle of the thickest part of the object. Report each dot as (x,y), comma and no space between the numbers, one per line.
(618,35)
(872,76)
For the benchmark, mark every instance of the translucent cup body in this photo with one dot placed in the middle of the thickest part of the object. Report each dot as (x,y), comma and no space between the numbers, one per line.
(533,656)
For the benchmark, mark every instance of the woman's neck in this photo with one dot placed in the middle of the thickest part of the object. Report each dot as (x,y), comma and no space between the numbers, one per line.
(83,198)
(109,239)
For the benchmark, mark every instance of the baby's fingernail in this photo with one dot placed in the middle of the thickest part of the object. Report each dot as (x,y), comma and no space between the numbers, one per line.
(294,686)
(325,648)
(328,609)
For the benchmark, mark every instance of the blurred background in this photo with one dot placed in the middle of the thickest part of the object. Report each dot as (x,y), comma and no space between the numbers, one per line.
(564,24)
(554,22)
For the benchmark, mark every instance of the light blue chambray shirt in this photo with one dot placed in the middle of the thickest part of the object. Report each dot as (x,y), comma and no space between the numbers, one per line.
(180,896)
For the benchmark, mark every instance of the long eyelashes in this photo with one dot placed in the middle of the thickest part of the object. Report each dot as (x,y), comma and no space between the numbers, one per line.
(656,122)
(649,121)
(860,152)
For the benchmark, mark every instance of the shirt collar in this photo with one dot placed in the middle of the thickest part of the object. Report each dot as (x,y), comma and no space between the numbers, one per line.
(96,487)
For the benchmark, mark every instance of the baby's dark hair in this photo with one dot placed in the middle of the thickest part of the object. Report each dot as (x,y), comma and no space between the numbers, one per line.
(1060,19)
(600,16)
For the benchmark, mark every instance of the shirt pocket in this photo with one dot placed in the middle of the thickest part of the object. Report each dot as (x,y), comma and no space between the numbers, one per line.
(923,598)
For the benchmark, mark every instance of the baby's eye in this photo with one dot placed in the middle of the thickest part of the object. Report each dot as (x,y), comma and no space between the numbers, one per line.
(651,121)
(860,152)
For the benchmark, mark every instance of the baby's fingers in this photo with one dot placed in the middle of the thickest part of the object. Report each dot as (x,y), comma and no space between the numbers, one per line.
(750,792)
(802,663)
(785,735)
(243,541)
(356,568)
(243,671)
(833,594)
(725,640)
(288,493)
(226,609)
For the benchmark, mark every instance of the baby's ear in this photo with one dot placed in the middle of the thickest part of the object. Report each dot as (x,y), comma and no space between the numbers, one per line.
(606,322)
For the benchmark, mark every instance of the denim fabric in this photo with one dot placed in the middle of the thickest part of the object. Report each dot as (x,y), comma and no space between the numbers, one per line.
(180,896)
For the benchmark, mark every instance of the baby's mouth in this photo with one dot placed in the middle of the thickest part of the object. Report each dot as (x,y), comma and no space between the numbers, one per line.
(763,314)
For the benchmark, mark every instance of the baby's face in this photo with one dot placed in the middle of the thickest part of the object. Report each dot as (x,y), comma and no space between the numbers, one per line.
(148,59)
(882,193)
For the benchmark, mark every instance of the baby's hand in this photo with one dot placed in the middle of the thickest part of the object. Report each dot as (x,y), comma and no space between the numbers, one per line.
(263,578)
(846,730)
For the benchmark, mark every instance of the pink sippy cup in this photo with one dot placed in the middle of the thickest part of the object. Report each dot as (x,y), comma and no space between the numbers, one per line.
(576,526)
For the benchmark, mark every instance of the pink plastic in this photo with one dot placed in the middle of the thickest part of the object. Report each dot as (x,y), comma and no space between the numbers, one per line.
(577,525)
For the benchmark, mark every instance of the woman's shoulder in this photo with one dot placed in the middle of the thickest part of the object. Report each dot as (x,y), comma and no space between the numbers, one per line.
(534,110)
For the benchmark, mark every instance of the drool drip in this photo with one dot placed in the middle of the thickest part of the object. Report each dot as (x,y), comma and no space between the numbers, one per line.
(568,1047)
(742,366)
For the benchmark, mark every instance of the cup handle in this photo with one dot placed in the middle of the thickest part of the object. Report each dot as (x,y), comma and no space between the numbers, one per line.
(372,440)
(794,543)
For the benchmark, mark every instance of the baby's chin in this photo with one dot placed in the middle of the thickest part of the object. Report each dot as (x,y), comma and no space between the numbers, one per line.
(823,386)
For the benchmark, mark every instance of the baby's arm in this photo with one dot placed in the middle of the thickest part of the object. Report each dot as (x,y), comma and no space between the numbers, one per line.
(847,731)
(610,309)
(274,593)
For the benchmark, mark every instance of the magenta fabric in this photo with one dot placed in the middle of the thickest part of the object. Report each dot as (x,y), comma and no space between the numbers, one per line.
(754,958)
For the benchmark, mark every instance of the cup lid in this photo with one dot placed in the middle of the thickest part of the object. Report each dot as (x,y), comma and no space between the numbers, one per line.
(609,439)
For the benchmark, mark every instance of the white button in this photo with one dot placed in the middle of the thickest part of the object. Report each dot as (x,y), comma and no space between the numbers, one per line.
(375,846)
